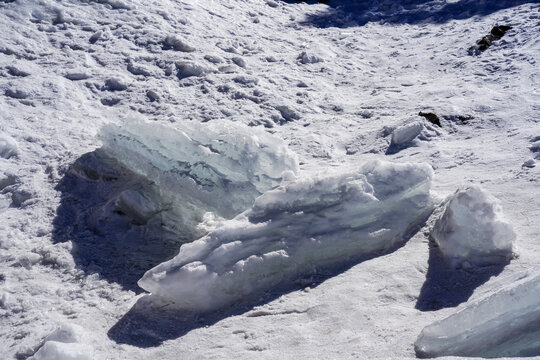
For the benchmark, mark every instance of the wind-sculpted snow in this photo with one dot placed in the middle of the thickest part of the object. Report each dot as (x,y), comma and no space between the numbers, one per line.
(505,324)
(295,230)
(214,167)
(472,231)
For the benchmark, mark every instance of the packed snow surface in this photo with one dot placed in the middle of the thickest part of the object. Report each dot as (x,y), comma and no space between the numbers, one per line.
(473,231)
(309,224)
(505,324)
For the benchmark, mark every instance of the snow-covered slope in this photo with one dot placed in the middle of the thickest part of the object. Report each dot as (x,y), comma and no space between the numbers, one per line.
(337,82)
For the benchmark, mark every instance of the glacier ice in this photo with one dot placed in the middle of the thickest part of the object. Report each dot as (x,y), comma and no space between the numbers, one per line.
(218,167)
(504,324)
(303,226)
(472,230)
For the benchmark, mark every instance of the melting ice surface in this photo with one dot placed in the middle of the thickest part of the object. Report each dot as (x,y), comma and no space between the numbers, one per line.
(218,167)
(505,324)
(292,231)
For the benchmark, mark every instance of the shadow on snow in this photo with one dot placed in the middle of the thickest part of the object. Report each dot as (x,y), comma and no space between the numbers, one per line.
(105,240)
(148,325)
(349,13)
(448,287)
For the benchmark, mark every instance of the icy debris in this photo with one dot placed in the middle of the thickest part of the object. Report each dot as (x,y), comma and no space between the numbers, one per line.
(77,75)
(17,94)
(174,43)
(187,69)
(505,324)
(472,230)
(406,133)
(218,166)
(67,333)
(295,230)
(306,58)
(530,163)
(65,343)
(8,146)
(54,350)
(115,84)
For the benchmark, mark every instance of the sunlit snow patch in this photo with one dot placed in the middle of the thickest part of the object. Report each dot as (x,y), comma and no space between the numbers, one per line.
(295,230)
(218,167)
(505,324)
(472,230)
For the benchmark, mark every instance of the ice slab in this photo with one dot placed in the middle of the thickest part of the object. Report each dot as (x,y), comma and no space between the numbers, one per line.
(472,230)
(505,324)
(218,167)
(292,231)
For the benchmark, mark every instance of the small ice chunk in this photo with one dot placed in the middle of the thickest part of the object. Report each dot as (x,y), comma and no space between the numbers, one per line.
(505,324)
(188,69)
(172,42)
(8,146)
(530,163)
(406,133)
(472,230)
(67,333)
(55,350)
(306,58)
(291,232)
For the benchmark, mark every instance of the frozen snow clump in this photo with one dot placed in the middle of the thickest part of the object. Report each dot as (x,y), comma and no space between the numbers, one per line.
(8,146)
(292,231)
(55,350)
(472,230)
(505,324)
(65,344)
(218,167)
(406,133)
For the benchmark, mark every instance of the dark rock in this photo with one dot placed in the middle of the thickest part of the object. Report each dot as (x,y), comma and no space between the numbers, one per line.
(496,33)
(431,117)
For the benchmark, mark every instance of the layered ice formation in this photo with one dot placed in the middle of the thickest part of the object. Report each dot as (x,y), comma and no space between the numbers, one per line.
(217,167)
(295,230)
(505,324)
(472,230)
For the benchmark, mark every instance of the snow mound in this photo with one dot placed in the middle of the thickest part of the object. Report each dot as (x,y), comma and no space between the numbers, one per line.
(295,230)
(505,324)
(472,230)
(218,167)
(8,146)
(65,344)
(55,350)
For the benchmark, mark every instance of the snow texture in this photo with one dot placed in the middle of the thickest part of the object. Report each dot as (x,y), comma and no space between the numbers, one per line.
(8,146)
(295,230)
(473,231)
(218,167)
(505,324)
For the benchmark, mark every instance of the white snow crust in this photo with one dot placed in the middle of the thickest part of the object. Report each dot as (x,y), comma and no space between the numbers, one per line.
(292,231)
(505,324)
(472,231)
